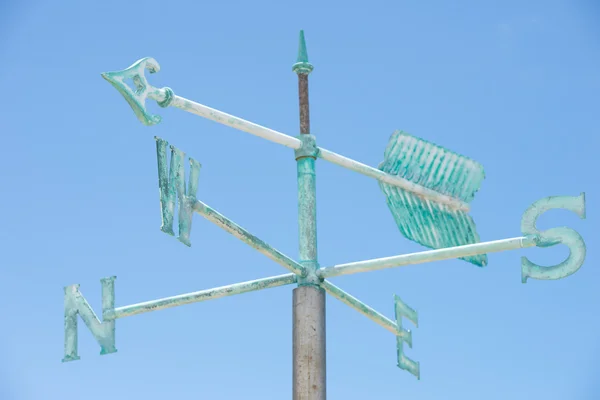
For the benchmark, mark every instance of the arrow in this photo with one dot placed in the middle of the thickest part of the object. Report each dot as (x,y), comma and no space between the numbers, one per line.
(166,98)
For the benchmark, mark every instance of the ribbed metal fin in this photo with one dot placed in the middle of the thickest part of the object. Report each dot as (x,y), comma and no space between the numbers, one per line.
(421,220)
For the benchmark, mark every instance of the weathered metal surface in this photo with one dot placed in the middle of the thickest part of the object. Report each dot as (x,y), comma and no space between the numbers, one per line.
(308,330)
(304,108)
(428,256)
(405,335)
(171,184)
(236,123)
(103,332)
(428,189)
(202,295)
(307,218)
(143,90)
(302,66)
(401,310)
(165,97)
(359,306)
(309,147)
(309,365)
(550,237)
(231,227)
(396,181)
(424,221)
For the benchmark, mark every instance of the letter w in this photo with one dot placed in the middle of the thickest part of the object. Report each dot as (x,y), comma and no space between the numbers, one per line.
(171,183)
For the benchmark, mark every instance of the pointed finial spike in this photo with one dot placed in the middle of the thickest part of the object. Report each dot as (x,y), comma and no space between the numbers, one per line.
(302,65)
(302,53)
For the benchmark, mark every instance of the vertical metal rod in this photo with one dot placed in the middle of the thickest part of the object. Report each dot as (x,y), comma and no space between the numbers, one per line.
(304,106)
(309,346)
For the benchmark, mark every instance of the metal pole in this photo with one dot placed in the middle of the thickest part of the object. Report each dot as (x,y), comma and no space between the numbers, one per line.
(309,366)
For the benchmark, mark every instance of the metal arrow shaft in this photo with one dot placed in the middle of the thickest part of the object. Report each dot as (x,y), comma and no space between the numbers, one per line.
(235,122)
(293,143)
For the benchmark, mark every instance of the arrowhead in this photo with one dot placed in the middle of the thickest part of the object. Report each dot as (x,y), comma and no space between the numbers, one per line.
(136,97)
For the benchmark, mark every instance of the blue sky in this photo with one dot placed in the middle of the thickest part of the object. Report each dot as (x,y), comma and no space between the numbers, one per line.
(514,85)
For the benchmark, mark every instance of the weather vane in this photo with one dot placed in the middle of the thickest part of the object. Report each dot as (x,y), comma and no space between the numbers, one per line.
(427,188)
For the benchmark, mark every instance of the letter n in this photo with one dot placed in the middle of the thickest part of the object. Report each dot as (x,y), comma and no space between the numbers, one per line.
(171,183)
(103,332)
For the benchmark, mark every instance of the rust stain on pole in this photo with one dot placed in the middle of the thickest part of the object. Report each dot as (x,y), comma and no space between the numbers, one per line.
(303,99)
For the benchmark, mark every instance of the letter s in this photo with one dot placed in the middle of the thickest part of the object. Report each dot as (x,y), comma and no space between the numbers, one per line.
(553,236)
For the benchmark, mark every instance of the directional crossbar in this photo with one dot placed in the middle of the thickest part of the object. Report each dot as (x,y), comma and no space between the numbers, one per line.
(429,256)
(202,295)
(104,332)
(402,310)
(533,237)
(248,238)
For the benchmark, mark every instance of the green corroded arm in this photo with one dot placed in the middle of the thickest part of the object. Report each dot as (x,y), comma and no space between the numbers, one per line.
(405,335)
(143,90)
(231,227)
(532,237)
(172,186)
(359,306)
(202,295)
(553,236)
(402,310)
(104,332)
(428,256)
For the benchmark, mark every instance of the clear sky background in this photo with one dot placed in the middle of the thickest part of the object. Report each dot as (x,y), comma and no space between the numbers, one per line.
(512,84)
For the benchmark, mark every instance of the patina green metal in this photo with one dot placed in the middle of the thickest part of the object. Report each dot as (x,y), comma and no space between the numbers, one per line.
(428,189)
(202,295)
(402,310)
(143,90)
(551,237)
(302,66)
(309,359)
(165,97)
(103,332)
(307,219)
(307,208)
(248,238)
(309,147)
(421,220)
(171,184)
(429,256)
(361,307)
